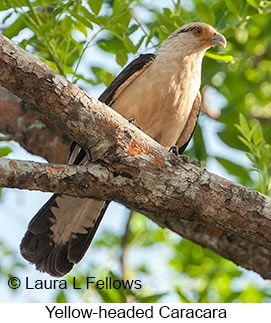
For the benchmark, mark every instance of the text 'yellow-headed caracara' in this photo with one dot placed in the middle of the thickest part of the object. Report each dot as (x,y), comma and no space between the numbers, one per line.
(161,93)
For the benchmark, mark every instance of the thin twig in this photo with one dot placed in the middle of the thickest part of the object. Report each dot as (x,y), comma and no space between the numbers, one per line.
(6,138)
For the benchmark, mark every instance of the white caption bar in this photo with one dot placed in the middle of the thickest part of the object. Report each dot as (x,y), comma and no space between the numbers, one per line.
(172,312)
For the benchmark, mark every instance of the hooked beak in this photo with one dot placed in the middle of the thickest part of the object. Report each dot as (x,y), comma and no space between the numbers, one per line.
(219,40)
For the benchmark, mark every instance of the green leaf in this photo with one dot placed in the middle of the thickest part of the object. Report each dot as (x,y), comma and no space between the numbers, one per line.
(245,129)
(234,6)
(106,296)
(250,157)
(95,5)
(217,57)
(251,294)
(118,6)
(61,297)
(245,142)
(254,3)
(67,23)
(112,45)
(121,57)
(81,27)
(14,29)
(236,170)
(129,45)
(206,13)
(167,21)
(83,20)
(113,295)
(257,135)
(4,151)
(4,5)
(133,28)
(100,20)
(108,78)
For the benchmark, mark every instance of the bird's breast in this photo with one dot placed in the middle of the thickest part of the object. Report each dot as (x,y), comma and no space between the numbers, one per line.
(160,100)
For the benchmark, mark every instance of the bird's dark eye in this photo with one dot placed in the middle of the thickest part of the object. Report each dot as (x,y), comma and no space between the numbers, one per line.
(198,30)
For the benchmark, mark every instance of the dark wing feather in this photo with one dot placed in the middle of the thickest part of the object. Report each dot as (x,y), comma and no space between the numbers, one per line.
(108,95)
(190,126)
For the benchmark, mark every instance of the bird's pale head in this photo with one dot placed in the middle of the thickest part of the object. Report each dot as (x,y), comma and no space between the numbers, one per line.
(195,37)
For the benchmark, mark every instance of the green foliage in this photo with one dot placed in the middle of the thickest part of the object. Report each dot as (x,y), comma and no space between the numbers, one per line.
(260,151)
(234,6)
(212,278)
(4,151)
(194,273)
(62,33)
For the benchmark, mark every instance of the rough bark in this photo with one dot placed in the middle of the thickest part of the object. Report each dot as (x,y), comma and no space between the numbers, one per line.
(129,167)
(33,132)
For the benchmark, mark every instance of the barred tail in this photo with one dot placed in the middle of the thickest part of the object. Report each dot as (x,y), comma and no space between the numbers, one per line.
(60,233)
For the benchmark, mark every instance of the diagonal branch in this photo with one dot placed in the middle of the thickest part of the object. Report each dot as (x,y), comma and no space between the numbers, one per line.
(129,167)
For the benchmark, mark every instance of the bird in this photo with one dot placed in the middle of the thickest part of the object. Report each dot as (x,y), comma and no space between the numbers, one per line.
(160,93)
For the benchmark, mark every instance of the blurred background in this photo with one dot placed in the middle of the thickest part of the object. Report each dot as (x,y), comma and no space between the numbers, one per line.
(89,42)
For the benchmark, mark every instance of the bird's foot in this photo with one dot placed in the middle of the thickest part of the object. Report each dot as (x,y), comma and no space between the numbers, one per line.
(174,150)
(196,163)
(88,153)
(185,158)
(133,121)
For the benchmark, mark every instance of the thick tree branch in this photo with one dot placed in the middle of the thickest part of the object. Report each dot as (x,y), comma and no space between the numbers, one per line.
(35,133)
(184,198)
(129,167)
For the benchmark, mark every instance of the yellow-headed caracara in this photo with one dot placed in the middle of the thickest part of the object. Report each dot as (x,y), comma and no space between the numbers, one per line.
(161,93)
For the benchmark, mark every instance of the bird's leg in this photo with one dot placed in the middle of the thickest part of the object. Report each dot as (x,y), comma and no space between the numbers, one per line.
(88,153)
(174,149)
(185,158)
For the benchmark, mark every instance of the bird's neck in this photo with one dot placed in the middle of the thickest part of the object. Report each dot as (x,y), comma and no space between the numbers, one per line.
(181,61)
(182,68)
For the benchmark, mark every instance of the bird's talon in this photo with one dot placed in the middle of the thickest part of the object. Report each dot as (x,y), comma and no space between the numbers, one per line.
(196,163)
(185,158)
(174,150)
(133,121)
(87,151)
